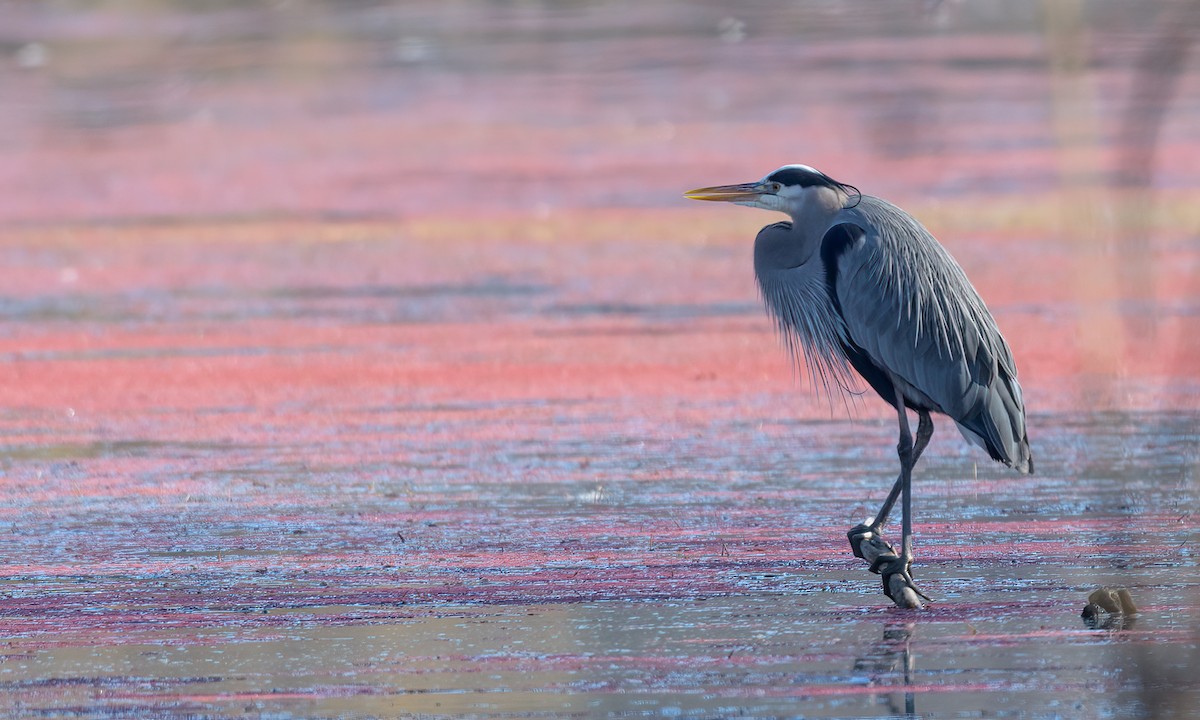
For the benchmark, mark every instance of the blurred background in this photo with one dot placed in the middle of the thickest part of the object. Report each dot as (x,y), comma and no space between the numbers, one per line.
(386,324)
(1007,129)
(159,109)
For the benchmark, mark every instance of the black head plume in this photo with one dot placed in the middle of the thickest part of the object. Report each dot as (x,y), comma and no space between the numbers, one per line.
(805,176)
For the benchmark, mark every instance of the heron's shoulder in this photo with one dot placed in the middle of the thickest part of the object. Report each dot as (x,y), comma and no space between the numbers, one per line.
(879,217)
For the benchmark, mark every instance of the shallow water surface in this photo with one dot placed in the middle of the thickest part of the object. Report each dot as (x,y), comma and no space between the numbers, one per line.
(693,571)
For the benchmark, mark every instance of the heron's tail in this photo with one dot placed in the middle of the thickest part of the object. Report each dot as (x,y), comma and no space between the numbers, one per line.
(997,424)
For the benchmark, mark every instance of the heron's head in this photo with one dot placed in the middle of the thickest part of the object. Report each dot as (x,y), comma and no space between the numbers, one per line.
(790,189)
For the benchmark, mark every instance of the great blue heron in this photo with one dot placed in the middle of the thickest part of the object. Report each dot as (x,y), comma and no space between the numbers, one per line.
(857,283)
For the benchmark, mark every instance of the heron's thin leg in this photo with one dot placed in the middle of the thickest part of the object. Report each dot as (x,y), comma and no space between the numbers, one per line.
(866,540)
(904,449)
(924,433)
(897,582)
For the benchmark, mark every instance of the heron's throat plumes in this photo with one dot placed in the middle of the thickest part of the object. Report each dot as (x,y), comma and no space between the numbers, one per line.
(794,290)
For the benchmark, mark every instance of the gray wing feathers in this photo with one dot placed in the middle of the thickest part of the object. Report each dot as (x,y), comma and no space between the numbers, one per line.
(911,309)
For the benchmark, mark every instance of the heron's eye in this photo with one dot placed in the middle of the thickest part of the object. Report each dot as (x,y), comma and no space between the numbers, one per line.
(776,187)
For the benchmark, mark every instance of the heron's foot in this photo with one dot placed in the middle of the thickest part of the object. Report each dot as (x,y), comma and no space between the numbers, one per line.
(898,582)
(868,544)
(896,570)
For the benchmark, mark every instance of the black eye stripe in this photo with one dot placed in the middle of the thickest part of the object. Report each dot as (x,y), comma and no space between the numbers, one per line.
(800,177)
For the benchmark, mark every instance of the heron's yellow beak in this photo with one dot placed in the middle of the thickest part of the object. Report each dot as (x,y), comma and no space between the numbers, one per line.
(728,193)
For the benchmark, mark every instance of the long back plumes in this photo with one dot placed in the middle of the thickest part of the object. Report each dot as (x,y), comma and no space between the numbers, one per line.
(932,291)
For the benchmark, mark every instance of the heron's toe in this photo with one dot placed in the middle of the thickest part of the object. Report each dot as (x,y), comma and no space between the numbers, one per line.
(857,535)
(903,593)
(898,583)
(868,544)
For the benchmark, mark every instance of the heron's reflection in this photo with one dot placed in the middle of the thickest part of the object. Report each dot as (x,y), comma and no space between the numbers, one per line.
(885,658)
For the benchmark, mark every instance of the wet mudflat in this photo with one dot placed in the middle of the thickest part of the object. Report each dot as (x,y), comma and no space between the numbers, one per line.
(367,363)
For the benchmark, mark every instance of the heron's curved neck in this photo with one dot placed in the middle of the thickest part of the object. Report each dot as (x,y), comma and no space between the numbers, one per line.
(818,206)
(811,216)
